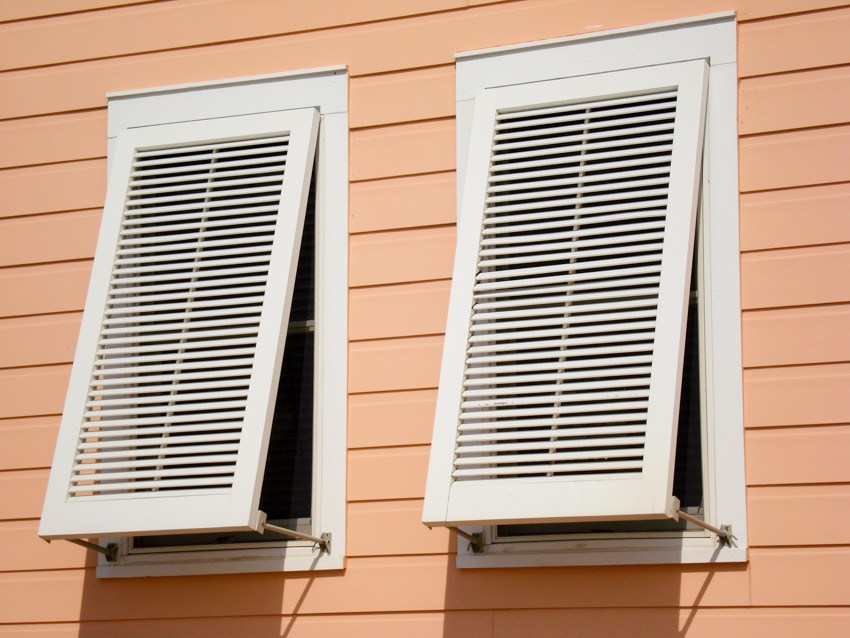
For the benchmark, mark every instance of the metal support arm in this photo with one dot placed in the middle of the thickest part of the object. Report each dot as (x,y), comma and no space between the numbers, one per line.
(476,541)
(323,541)
(724,532)
(110,551)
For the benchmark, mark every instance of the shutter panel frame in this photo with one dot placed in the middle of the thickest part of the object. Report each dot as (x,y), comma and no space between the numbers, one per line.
(451,502)
(228,509)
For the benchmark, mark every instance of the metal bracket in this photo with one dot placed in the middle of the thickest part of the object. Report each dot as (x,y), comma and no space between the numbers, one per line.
(729,538)
(476,541)
(110,551)
(322,542)
(724,532)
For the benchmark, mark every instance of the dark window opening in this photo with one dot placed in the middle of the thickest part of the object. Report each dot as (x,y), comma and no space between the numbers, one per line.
(287,493)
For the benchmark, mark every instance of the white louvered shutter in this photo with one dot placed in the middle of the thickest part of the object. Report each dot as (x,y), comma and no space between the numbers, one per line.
(167,418)
(559,389)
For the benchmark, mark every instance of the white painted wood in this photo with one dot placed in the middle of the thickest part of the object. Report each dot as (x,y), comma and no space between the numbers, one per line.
(607,478)
(213,85)
(327,91)
(712,38)
(709,37)
(721,301)
(331,389)
(166,500)
(327,87)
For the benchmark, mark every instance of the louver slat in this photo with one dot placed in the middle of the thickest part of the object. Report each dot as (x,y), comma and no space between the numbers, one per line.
(558,397)
(172,392)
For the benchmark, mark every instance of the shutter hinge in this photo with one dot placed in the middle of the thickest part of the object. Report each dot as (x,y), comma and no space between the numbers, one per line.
(476,541)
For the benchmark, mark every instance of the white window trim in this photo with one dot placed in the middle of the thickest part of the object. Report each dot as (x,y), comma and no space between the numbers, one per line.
(712,38)
(325,89)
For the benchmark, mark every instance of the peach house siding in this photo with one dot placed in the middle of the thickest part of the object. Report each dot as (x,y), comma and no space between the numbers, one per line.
(58,59)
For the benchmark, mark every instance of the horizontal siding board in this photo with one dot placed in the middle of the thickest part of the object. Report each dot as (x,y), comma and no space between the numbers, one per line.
(797,395)
(402,202)
(27,443)
(370,585)
(162,26)
(798,577)
(45,238)
(365,49)
(388,46)
(470,624)
(394,364)
(53,138)
(795,456)
(23,493)
(393,528)
(401,256)
(795,100)
(402,149)
(429,93)
(407,96)
(795,217)
(26,392)
(799,515)
(648,623)
(85,85)
(35,341)
(103,33)
(22,550)
(795,158)
(693,623)
(398,311)
(795,277)
(819,39)
(44,288)
(755,9)
(387,474)
(14,10)
(391,418)
(796,336)
(52,188)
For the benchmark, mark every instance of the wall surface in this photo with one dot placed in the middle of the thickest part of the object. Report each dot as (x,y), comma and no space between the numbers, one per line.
(58,59)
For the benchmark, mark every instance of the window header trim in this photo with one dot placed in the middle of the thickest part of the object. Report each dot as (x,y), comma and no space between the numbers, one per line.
(720,17)
(337,69)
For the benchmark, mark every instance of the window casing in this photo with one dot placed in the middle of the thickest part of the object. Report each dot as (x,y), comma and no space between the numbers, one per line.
(711,39)
(323,91)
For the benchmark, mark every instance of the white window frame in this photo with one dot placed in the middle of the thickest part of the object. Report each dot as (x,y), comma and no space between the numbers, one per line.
(325,89)
(712,38)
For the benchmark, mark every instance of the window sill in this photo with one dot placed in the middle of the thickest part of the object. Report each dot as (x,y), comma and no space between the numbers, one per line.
(294,557)
(698,548)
